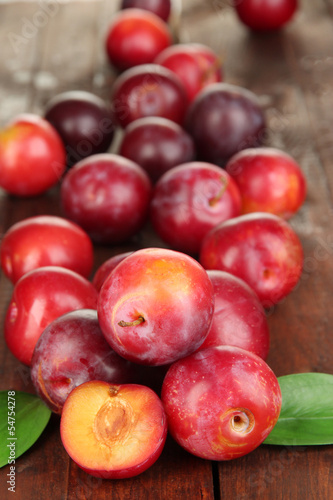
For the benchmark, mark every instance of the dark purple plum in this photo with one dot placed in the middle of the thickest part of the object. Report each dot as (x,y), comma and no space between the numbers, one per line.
(84,123)
(157,145)
(161,8)
(224,119)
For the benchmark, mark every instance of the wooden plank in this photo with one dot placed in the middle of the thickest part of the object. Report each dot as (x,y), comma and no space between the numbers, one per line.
(168,478)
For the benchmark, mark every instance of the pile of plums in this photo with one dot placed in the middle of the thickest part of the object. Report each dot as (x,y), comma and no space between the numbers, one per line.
(159,338)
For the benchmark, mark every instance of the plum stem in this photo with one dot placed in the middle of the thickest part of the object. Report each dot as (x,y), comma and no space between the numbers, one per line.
(136,322)
(219,195)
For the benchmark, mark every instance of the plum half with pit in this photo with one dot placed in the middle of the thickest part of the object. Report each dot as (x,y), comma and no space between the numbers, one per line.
(113,431)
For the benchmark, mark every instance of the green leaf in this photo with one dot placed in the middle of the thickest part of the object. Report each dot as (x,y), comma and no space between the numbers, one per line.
(23,417)
(306,416)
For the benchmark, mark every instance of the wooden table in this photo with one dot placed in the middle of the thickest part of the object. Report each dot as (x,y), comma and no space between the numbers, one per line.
(43,52)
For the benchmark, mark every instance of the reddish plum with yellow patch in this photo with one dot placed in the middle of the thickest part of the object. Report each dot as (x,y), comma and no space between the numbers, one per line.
(269,180)
(194,63)
(221,403)
(32,156)
(135,36)
(156,306)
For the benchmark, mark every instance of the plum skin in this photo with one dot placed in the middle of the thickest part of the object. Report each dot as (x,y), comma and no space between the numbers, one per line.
(269,180)
(135,37)
(45,240)
(189,200)
(239,318)
(194,63)
(223,119)
(157,145)
(148,90)
(39,297)
(72,350)
(221,402)
(156,306)
(265,15)
(83,121)
(260,248)
(32,156)
(161,8)
(103,271)
(108,196)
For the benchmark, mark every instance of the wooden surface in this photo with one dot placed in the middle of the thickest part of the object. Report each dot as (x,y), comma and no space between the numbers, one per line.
(292,72)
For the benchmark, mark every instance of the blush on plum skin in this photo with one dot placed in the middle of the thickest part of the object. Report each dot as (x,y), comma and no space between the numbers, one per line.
(156,306)
(269,180)
(221,402)
(113,431)
(83,121)
(265,15)
(260,248)
(72,350)
(32,156)
(189,200)
(38,298)
(195,64)
(223,119)
(148,90)
(161,8)
(157,145)
(108,196)
(45,240)
(239,318)
(136,36)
